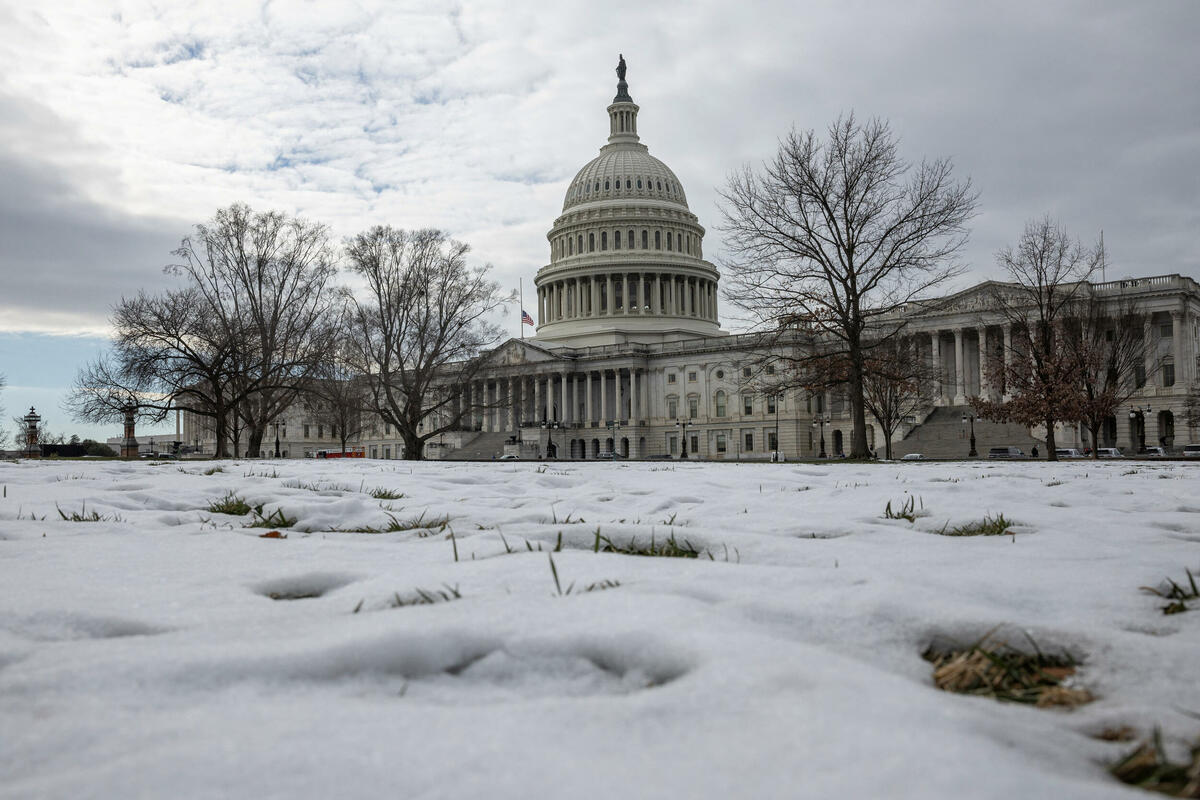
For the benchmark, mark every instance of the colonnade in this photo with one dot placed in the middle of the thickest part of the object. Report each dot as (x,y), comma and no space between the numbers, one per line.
(588,398)
(617,294)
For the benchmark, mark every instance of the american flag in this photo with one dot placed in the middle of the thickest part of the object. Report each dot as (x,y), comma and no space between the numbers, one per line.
(526,319)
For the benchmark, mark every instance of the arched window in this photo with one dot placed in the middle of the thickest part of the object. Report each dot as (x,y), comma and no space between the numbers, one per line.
(606,185)
(597,186)
(591,242)
(603,240)
(639,183)
(645,241)
(658,240)
(628,184)
(616,240)
(719,403)
(668,240)
(660,186)
(631,239)
(570,246)
(580,247)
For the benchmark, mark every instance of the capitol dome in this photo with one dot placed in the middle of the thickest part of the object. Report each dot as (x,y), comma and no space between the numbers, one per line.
(626,258)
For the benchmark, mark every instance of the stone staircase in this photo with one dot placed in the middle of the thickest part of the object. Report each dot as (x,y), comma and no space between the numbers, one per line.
(483,447)
(943,435)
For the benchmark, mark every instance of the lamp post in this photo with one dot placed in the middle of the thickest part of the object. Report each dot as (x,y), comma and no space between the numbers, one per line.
(32,446)
(277,440)
(682,426)
(551,450)
(971,417)
(776,427)
(1134,413)
(820,421)
(613,426)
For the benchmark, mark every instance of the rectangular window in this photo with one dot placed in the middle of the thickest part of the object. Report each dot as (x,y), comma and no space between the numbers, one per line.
(387,451)
(670,377)
(1166,330)
(320,431)
(693,407)
(692,377)
(387,429)
(772,441)
(1139,376)
(747,404)
(695,445)
(771,404)
(306,431)
(749,443)
(374,451)
(720,443)
(1168,374)
(770,369)
(673,447)
(672,409)
(745,372)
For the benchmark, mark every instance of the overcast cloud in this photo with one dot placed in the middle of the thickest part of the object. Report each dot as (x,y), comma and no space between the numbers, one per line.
(121,124)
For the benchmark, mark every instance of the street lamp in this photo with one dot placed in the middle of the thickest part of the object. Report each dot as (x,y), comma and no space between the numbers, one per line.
(551,450)
(1134,413)
(682,426)
(613,426)
(776,397)
(971,417)
(821,420)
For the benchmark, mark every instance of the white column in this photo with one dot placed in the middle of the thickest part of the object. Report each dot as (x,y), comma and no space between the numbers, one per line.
(603,395)
(588,399)
(610,310)
(510,405)
(617,396)
(935,355)
(1177,348)
(1007,361)
(960,394)
(1149,354)
(633,396)
(656,297)
(983,352)
(562,409)
(537,399)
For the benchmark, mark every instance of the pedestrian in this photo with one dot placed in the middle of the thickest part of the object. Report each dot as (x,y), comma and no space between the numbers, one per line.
(1035,452)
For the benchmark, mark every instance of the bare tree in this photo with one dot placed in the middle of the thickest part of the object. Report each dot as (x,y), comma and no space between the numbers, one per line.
(264,280)
(339,396)
(1191,407)
(832,236)
(103,393)
(1049,272)
(1106,342)
(3,432)
(896,385)
(418,329)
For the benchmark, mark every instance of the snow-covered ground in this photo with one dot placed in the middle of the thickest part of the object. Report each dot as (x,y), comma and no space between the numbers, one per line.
(143,655)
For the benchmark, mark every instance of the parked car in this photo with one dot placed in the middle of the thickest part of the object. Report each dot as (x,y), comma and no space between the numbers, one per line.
(509,457)
(1006,452)
(1067,452)
(1109,452)
(913,457)
(1156,452)
(1191,451)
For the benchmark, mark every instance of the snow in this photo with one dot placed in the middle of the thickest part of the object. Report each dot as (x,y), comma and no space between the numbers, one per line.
(142,655)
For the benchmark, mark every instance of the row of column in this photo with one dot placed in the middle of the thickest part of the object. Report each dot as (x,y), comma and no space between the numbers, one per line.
(652,293)
(961,383)
(591,399)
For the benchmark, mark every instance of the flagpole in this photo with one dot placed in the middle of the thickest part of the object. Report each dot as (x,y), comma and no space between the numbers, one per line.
(521,319)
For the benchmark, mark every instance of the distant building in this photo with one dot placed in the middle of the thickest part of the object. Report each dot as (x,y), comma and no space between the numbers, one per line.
(630,358)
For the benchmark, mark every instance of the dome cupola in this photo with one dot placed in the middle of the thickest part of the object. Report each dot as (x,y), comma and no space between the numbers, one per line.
(626,262)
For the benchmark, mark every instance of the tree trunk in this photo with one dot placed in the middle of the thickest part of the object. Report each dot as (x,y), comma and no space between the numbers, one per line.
(1051,455)
(858,416)
(221,428)
(343,439)
(254,445)
(414,447)
(1094,430)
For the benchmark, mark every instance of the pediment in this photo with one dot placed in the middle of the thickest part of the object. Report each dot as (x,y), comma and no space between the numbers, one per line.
(981,297)
(516,352)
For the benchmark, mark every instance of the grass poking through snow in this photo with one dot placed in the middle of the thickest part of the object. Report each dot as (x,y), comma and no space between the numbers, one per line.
(276,519)
(1148,767)
(997,671)
(988,526)
(1176,594)
(83,515)
(230,504)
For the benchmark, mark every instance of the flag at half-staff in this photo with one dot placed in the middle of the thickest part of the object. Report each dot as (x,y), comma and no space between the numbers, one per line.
(526,319)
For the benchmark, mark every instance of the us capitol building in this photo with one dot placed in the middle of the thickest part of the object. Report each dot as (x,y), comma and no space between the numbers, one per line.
(630,358)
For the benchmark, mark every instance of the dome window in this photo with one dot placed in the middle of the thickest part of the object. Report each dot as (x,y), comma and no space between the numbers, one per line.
(660,186)
(628,184)
(606,185)
(597,186)
(639,183)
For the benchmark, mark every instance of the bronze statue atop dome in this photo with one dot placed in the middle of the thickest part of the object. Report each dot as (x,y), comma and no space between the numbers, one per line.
(622,86)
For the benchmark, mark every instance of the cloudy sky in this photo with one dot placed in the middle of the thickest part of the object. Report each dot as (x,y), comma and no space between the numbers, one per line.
(124,123)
